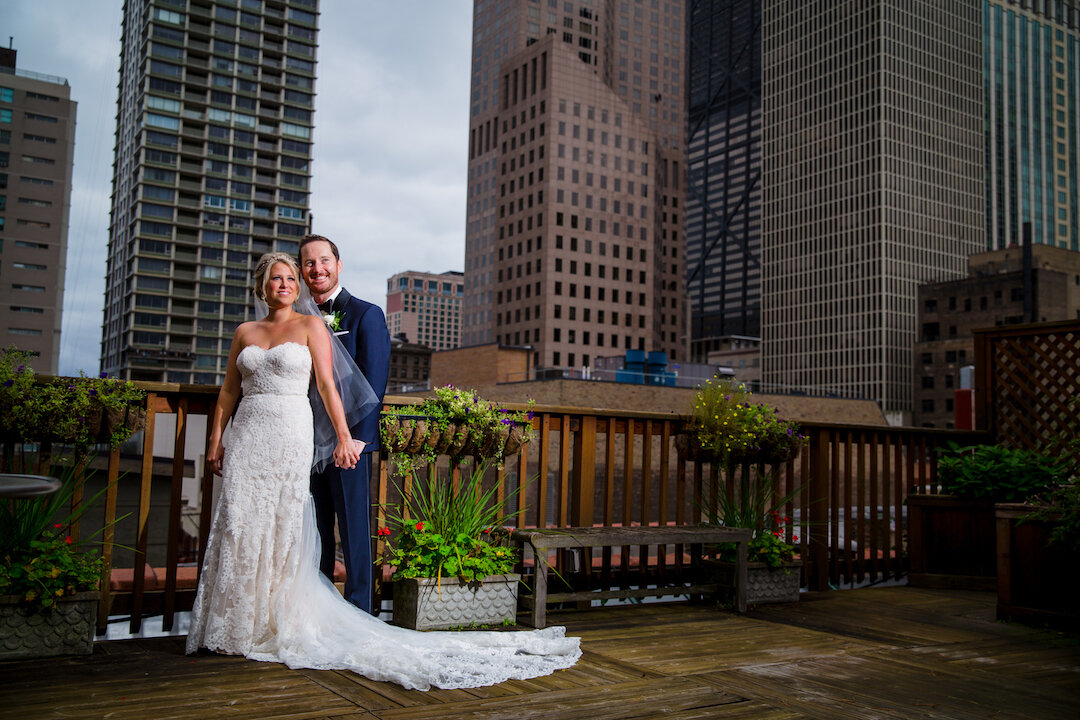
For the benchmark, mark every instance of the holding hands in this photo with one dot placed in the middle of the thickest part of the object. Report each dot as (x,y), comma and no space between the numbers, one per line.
(347,453)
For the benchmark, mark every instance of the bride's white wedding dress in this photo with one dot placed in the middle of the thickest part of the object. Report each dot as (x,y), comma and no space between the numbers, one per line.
(261,593)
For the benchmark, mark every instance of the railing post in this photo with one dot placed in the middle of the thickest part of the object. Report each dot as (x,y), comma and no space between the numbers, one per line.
(584,473)
(818,577)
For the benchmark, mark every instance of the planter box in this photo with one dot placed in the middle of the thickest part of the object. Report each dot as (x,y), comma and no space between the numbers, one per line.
(431,604)
(763,583)
(1037,582)
(68,629)
(951,543)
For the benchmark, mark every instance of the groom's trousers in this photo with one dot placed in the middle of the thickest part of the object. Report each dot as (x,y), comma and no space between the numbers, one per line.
(346,494)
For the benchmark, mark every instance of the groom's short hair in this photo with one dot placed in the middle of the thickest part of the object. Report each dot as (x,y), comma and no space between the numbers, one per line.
(319,238)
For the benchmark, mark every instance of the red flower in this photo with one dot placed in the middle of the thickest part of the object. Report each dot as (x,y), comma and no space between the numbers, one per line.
(384,531)
(57,525)
(68,539)
(420,526)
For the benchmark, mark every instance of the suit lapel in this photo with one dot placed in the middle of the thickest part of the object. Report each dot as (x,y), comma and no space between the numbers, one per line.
(342,301)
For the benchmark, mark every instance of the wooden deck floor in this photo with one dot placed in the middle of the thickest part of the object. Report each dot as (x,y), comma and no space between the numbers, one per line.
(874,653)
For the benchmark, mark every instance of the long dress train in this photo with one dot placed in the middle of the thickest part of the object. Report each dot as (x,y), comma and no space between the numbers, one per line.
(261,593)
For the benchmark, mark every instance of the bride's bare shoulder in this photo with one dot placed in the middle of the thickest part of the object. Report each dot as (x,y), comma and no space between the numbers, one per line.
(244,331)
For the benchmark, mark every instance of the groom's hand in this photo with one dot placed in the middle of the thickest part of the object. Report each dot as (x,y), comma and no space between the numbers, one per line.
(360,445)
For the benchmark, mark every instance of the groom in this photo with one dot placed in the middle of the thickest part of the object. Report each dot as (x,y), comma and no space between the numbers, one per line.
(346,493)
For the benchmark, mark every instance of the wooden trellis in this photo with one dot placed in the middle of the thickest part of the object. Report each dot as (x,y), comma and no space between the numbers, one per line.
(1027,381)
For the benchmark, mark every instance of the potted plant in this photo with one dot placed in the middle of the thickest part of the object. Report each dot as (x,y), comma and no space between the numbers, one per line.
(48,582)
(773,572)
(952,535)
(81,411)
(457,423)
(1038,546)
(452,562)
(726,428)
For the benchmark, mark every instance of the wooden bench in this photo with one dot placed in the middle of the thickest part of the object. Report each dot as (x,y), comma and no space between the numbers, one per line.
(543,540)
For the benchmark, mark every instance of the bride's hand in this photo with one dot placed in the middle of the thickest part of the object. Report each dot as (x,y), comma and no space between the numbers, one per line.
(347,453)
(214,456)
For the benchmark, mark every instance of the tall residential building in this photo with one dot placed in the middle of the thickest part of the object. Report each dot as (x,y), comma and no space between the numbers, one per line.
(723,195)
(37,146)
(874,183)
(212,169)
(1031,72)
(425,307)
(576,179)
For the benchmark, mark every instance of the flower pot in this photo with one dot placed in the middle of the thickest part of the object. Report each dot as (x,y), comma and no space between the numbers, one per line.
(515,438)
(129,418)
(764,584)
(434,604)
(66,629)
(1037,580)
(951,543)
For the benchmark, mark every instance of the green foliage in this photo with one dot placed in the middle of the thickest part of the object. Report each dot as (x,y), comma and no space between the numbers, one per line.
(995,473)
(1060,508)
(40,561)
(767,546)
(49,568)
(441,531)
(753,506)
(727,426)
(460,423)
(71,410)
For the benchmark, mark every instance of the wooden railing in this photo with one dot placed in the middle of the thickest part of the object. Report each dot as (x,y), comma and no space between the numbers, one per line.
(584,467)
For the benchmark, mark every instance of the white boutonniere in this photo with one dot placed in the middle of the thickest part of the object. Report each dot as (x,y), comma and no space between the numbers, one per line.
(333,320)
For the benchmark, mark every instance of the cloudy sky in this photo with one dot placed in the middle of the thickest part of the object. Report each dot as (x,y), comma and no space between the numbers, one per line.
(391,127)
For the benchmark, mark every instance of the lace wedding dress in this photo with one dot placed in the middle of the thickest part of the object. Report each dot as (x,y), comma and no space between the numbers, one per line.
(261,593)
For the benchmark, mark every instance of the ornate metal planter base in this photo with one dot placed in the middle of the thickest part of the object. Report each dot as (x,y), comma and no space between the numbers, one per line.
(68,629)
(764,584)
(428,604)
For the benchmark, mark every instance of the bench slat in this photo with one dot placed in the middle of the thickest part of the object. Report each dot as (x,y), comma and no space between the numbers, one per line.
(544,539)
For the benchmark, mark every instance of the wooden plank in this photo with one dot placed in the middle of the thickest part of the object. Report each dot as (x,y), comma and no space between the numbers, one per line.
(142,517)
(175,490)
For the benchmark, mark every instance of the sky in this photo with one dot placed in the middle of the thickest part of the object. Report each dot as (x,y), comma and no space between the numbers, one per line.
(390,153)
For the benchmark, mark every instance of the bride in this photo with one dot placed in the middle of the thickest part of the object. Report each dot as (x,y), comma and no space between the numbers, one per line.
(260,593)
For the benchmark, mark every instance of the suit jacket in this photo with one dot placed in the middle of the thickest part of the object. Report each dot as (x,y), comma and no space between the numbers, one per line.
(368,342)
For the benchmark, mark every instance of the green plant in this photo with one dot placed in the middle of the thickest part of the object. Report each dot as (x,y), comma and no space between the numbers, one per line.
(446,531)
(753,505)
(1059,507)
(995,473)
(40,560)
(727,426)
(456,422)
(49,568)
(768,544)
(71,410)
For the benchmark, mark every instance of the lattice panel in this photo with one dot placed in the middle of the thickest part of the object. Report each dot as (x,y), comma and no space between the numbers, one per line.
(1034,382)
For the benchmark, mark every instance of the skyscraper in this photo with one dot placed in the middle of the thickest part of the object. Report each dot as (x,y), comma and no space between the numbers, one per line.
(874,182)
(425,307)
(723,196)
(212,167)
(1031,58)
(574,218)
(37,145)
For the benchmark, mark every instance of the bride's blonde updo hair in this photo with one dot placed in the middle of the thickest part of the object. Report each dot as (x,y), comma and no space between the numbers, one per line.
(262,271)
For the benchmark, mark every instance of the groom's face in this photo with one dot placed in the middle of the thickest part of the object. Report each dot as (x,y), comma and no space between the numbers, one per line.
(319,267)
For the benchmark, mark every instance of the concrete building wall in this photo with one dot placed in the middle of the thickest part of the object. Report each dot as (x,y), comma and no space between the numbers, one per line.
(601,396)
(37,146)
(480,365)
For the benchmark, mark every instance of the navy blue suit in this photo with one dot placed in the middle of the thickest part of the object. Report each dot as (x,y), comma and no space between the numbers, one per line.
(347,493)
